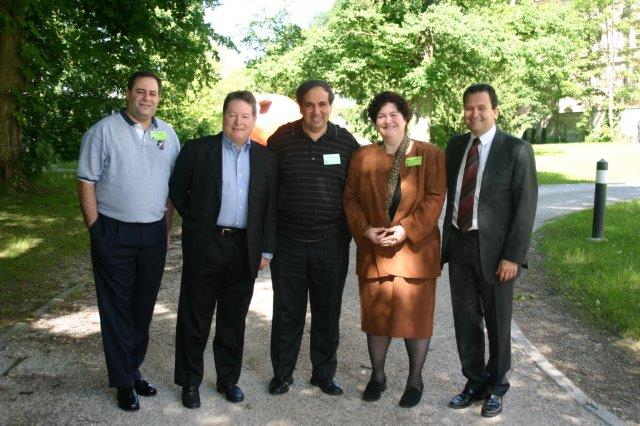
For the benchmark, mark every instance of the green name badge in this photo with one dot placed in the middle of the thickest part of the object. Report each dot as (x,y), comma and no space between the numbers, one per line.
(413,161)
(331,159)
(158,135)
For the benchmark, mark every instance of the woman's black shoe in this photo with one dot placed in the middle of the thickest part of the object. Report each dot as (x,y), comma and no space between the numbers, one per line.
(373,390)
(410,397)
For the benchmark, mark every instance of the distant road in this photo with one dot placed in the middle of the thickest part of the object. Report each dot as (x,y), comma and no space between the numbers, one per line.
(558,200)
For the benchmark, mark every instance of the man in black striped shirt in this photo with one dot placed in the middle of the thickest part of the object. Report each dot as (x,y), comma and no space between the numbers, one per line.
(312,252)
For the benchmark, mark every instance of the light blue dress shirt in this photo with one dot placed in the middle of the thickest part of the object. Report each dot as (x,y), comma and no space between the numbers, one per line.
(235,184)
(236,172)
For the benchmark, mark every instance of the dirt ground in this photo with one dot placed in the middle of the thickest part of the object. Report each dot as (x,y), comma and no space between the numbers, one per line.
(605,366)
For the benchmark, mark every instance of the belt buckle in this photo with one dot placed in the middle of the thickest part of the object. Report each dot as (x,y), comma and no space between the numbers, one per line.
(226,231)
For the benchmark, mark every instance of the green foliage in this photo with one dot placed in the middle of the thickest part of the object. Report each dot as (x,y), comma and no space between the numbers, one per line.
(430,51)
(601,134)
(602,279)
(36,157)
(272,36)
(613,64)
(77,56)
(359,123)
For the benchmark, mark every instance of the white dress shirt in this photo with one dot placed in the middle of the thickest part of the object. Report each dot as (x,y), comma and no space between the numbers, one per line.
(483,153)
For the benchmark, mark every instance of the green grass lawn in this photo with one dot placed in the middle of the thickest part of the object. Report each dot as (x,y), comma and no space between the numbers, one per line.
(601,278)
(552,178)
(66,165)
(576,162)
(41,235)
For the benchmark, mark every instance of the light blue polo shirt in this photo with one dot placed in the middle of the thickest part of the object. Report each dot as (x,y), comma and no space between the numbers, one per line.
(130,167)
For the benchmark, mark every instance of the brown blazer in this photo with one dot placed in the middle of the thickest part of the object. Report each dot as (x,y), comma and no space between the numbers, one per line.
(422,190)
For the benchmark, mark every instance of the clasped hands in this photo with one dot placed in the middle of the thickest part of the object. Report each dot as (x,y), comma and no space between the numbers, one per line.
(386,237)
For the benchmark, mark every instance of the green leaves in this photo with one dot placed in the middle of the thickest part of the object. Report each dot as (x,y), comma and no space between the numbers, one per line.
(431,51)
(77,56)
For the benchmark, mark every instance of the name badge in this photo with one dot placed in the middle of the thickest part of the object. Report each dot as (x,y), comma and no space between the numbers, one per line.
(158,135)
(413,161)
(331,159)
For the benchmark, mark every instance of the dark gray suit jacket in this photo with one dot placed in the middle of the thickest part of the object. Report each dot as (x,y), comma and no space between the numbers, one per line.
(195,191)
(507,202)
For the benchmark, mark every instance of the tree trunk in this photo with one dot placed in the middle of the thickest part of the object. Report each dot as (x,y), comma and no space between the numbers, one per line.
(10,81)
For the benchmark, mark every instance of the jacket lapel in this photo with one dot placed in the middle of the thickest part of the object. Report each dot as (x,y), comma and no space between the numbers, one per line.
(456,160)
(255,174)
(215,158)
(495,161)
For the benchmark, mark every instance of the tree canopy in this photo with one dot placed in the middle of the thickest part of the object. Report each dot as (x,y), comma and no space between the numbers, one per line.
(66,63)
(431,51)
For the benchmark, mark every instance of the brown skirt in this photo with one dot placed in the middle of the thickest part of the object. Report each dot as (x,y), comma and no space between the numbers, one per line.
(397,307)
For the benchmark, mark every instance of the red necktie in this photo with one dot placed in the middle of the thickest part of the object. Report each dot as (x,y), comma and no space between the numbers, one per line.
(468,188)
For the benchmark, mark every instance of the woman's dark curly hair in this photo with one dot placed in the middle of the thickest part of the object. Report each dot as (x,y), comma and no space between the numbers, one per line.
(382,98)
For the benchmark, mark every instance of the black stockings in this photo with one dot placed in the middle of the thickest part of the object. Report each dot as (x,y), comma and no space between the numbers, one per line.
(416,349)
(378,346)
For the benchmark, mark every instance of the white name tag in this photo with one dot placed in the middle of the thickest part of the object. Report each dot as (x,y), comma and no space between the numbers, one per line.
(331,159)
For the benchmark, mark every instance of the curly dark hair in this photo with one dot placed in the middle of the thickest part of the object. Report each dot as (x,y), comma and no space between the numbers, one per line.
(383,98)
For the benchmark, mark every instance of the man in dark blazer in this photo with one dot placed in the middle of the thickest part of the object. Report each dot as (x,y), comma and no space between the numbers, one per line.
(491,203)
(223,186)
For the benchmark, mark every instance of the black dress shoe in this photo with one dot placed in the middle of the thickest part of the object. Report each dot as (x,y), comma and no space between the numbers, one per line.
(145,388)
(280,385)
(467,397)
(374,390)
(410,397)
(231,392)
(492,406)
(127,399)
(191,396)
(328,386)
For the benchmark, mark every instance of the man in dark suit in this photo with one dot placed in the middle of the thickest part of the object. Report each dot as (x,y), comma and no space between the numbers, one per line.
(223,186)
(491,203)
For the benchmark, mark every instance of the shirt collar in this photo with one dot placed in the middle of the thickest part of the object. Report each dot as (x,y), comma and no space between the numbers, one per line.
(332,130)
(487,137)
(230,145)
(130,122)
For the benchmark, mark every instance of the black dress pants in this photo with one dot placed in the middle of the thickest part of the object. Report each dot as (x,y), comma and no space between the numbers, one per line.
(318,269)
(473,299)
(128,263)
(222,277)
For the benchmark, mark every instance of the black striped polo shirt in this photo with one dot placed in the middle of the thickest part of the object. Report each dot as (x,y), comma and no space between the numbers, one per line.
(311,179)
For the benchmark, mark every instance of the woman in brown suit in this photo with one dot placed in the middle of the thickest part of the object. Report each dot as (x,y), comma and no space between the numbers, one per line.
(393,198)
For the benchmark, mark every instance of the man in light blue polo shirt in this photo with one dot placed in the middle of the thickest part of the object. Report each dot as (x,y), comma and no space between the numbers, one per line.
(123,171)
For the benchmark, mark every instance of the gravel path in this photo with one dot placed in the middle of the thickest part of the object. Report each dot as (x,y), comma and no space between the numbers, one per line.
(52,371)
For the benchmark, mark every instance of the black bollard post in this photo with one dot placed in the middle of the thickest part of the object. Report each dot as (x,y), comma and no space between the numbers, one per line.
(600,200)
